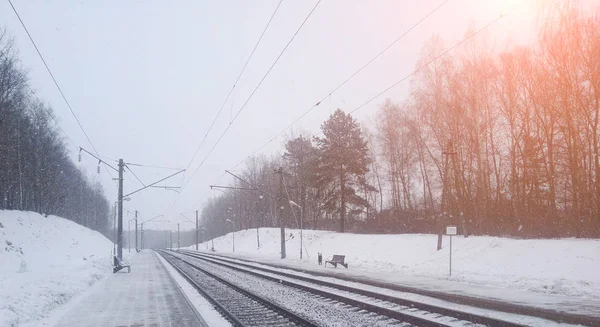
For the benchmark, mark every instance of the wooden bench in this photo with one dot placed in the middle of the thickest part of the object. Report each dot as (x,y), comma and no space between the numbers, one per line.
(337,259)
(120,264)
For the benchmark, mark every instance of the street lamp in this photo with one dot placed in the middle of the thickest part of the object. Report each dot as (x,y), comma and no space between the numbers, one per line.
(129,233)
(142,229)
(212,240)
(260,197)
(143,233)
(189,220)
(115,243)
(232,233)
(294,204)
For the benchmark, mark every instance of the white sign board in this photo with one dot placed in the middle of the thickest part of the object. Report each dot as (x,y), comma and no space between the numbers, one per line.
(451,230)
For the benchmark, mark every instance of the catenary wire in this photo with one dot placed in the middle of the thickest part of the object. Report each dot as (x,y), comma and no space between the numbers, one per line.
(52,76)
(234,85)
(151,166)
(369,62)
(134,175)
(428,63)
(251,94)
(51,115)
(57,86)
(402,79)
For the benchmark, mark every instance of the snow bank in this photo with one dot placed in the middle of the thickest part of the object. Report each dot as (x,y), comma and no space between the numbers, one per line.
(557,266)
(45,261)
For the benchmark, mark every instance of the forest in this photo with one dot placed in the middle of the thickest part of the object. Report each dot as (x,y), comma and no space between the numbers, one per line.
(494,142)
(36,173)
(497,142)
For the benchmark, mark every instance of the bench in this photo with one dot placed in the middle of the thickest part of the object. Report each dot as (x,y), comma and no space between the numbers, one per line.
(337,259)
(120,264)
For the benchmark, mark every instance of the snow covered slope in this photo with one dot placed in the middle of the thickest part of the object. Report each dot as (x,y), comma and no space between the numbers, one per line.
(45,261)
(557,266)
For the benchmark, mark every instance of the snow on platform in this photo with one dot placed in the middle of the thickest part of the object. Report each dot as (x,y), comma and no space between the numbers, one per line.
(44,263)
(148,296)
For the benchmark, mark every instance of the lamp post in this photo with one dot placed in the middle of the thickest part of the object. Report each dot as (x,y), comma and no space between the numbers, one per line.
(196,223)
(142,237)
(294,204)
(119,226)
(196,230)
(115,230)
(204,237)
(258,224)
(129,234)
(232,233)
(142,229)
(136,234)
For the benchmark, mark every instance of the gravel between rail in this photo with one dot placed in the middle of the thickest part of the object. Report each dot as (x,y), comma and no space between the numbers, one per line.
(331,306)
(460,299)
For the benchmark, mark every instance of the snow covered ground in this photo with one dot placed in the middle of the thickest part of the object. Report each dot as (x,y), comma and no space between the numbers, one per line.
(45,261)
(567,267)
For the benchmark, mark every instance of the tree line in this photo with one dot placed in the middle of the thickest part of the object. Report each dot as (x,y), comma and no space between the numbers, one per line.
(36,173)
(494,142)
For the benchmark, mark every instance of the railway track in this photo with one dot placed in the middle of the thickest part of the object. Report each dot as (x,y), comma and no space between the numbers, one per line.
(369,296)
(240,307)
(389,310)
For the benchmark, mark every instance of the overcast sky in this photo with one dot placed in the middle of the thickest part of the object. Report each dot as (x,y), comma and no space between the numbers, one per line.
(146,78)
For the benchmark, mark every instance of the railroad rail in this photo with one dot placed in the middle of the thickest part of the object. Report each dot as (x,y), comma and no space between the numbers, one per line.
(400,311)
(550,316)
(369,295)
(237,305)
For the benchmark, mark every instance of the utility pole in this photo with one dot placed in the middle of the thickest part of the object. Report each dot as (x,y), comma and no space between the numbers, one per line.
(115,228)
(170,239)
(196,230)
(446,193)
(178,244)
(120,213)
(279,200)
(136,232)
(142,236)
(281,217)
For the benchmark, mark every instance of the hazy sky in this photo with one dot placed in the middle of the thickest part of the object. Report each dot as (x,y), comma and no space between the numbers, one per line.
(146,78)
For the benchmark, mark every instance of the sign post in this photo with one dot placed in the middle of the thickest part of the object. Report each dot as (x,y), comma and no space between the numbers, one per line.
(451,230)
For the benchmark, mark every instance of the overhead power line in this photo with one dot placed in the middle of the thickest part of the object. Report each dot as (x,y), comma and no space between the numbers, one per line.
(54,80)
(97,158)
(134,175)
(335,89)
(50,114)
(402,79)
(151,166)
(234,84)
(150,185)
(252,94)
(429,62)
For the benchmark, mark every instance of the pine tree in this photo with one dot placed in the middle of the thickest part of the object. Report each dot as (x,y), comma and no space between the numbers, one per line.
(344,161)
(301,157)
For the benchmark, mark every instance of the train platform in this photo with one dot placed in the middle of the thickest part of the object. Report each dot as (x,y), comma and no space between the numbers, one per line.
(147,296)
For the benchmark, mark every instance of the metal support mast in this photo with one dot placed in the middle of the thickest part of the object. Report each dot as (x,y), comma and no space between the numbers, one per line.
(120,213)
(136,232)
(281,215)
(196,230)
